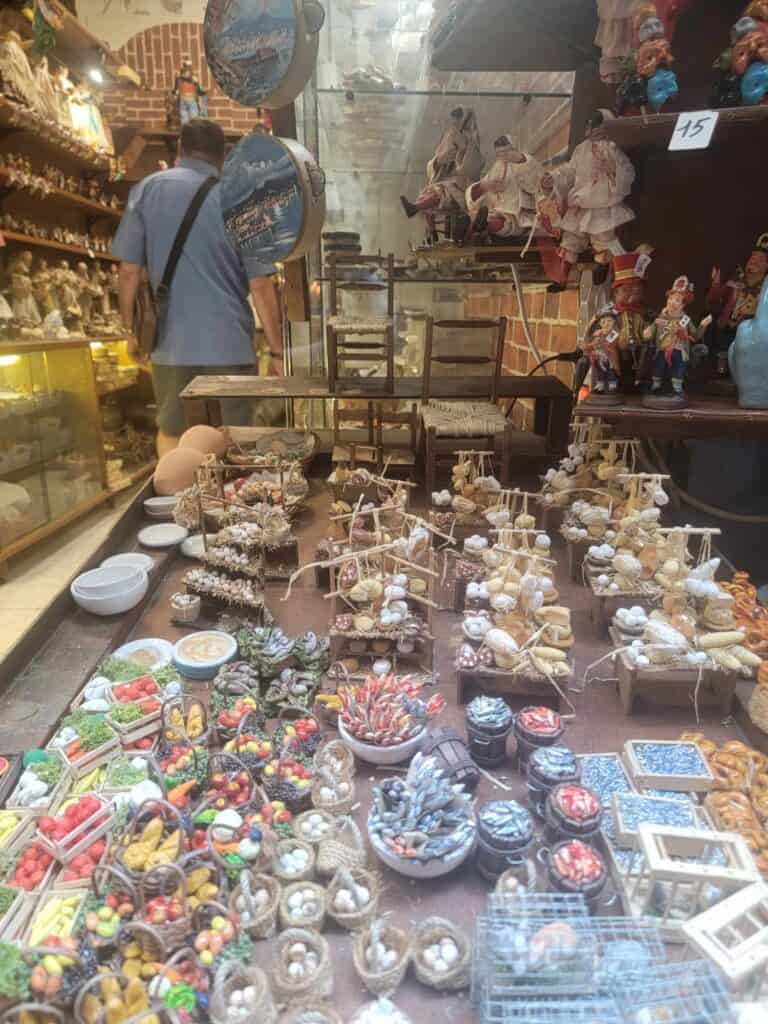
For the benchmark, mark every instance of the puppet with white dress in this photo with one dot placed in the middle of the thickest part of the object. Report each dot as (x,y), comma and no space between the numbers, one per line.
(503,201)
(591,189)
(456,164)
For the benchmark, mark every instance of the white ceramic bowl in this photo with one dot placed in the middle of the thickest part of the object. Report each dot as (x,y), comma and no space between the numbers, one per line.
(203,669)
(374,754)
(162,649)
(160,506)
(134,558)
(114,605)
(162,535)
(421,868)
(109,582)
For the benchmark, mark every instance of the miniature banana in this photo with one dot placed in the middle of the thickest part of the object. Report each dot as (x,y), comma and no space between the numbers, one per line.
(727,638)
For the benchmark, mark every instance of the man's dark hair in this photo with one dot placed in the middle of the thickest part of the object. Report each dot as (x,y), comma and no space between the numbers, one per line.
(204,138)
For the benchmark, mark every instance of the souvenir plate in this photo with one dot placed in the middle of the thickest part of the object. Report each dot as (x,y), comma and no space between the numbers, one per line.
(262,52)
(272,198)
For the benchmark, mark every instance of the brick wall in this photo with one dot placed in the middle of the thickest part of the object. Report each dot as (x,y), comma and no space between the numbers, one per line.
(553,323)
(156,54)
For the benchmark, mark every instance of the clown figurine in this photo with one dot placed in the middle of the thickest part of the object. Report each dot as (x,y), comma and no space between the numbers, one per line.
(456,164)
(736,300)
(591,189)
(601,352)
(503,202)
(674,336)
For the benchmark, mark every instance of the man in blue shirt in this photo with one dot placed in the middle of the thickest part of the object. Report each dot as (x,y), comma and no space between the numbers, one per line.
(208,327)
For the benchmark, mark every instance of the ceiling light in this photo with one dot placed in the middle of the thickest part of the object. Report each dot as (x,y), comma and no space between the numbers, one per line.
(96,75)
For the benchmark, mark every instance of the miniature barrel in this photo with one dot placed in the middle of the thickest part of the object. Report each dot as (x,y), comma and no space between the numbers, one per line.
(504,835)
(536,727)
(577,867)
(572,812)
(488,721)
(549,767)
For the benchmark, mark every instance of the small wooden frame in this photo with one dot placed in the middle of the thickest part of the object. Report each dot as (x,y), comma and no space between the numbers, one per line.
(698,782)
(682,858)
(671,686)
(734,936)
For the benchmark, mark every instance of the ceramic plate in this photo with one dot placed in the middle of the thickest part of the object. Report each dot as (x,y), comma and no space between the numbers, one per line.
(134,558)
(142,651)
(163,535)
(249,46)
(193,546)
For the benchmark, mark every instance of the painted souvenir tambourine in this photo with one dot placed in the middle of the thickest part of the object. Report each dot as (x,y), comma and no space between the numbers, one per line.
(272,198)
(262,52)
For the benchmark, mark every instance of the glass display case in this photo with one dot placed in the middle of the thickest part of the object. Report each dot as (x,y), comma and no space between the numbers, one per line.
(51,457)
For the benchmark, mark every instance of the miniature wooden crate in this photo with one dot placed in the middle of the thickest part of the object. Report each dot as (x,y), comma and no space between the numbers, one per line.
(734,936)
(25,824)
(17,925)
(148,725)
(699,782)
(593,764)
(53,797)
(80,698)
(674,687)
(677,863)
(81,837)
(603,607)
(43,901)
(498,682)
(626,832)
(98,756)
(11,776)
(281,560)
(8,921)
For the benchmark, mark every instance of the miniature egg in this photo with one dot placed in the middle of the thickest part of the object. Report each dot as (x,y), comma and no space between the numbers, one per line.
(236,997)
(298,949)
(295,969)
(249,995)
(602,580)
(642,660)
(449,951)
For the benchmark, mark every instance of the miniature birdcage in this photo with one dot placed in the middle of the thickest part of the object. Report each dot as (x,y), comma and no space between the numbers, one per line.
(676,873)
(734,936)
(585,1010)
(691,992)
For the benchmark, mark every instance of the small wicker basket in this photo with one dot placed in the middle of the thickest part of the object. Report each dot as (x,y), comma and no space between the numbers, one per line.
(337,802)
(429,932)
(260,922)
(284,846)
(233,976)
(349,879)
(342,848)
(318,983)
(381,981)
(757,708)
(315,919)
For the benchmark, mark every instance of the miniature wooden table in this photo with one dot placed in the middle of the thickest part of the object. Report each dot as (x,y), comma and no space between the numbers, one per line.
(673,686)
(605,606)
(703,417)
(500,683)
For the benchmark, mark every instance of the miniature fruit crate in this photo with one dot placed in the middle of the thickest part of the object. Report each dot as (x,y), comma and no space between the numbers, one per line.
(668,764)
(605,774)
(11,775)
(672,871)
(24,824)
(52,798)
(42,903)
(734,936)
(28,837)
(629,809)
(90,760)
(79,700)
(82,835)
(8,921)
(691,992)
(147,725)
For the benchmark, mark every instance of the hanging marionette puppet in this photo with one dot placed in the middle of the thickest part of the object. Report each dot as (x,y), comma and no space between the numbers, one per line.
(502,204)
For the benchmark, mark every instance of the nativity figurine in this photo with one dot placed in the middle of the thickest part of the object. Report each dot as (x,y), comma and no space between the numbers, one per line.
(590,191)
(601,356)
(735,300)
(189,98)
(502,204)
(675,339)
(457,163)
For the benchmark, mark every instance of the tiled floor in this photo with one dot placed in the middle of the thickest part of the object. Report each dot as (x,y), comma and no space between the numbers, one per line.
(38,575)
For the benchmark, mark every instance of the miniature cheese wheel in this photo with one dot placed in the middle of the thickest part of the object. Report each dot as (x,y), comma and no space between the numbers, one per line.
(205,439)
(176,470)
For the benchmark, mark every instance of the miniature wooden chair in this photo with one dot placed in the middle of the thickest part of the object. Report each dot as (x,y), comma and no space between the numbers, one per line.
(361,448)
(466,424)
(397,456)
(357,339)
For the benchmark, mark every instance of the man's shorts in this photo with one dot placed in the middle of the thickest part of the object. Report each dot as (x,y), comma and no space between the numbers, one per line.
(170,381)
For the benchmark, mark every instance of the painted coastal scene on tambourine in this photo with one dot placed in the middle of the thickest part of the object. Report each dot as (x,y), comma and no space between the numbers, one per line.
(249,45)
(262,198)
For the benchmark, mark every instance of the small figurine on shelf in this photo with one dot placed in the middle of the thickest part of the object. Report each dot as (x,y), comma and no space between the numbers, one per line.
(675,338)
(23,301)
(736,300)
(648,79)
(191,101)
(42,288)
(633,316)
(88,292)
(591,188)
(503,203)
(456,164)
(601,356)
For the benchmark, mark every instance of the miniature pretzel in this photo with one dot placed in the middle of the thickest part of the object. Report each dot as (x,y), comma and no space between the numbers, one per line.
(707,747)
(727,776)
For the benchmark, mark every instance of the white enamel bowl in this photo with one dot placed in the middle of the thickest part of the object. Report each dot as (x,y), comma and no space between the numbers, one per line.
(200,669)
(109,582)
(374,754)
(115,604)
(134,558)
(421,868)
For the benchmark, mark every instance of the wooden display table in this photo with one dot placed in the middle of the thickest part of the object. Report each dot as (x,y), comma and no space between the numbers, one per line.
(512,686)
(674,686)
(702,418)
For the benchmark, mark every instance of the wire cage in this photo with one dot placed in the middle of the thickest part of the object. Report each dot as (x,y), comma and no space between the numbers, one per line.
(690,992)
(519,957)
(589,1010)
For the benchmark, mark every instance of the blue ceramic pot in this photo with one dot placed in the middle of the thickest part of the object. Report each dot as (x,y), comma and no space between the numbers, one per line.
(748,356)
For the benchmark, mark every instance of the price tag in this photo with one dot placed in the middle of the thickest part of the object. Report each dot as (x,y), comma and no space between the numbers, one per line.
(694,130)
